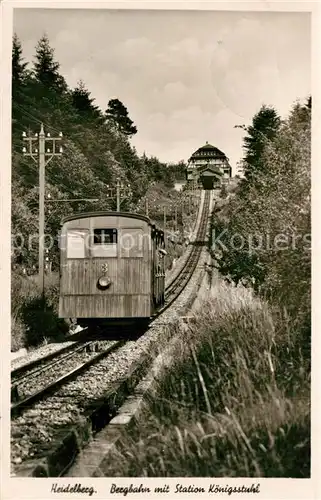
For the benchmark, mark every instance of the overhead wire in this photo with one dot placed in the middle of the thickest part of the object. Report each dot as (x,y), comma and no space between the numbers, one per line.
(34,118)
(28,114)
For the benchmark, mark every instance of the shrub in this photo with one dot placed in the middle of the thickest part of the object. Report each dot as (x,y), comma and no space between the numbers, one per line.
(18,334)
(265,227)
(223,191)
(35,318)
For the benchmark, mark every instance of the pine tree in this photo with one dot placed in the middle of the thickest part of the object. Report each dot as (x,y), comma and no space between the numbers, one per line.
(117,113)
(301,114)
(82,101)
(46,68)
(265,125)
(19,72)
(21,79)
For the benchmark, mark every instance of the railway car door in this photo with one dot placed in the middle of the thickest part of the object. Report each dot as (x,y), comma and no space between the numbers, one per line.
(162,252)
(157,268)
(154,265)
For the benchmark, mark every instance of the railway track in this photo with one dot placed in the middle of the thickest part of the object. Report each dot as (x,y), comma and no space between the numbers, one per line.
(79,357)
(37,366)
(87,356)
(178,284)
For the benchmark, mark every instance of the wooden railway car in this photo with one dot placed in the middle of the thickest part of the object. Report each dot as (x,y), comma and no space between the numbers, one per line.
(112,268)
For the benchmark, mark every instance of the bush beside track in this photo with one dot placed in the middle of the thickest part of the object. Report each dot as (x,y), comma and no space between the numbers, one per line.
(34,321)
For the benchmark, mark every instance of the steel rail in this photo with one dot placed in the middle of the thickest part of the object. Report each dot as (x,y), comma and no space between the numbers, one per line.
(16,408)
(20,370)
(180,282)
(19,373)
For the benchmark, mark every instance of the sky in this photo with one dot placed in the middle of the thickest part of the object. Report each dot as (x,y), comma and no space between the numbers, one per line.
(186,77)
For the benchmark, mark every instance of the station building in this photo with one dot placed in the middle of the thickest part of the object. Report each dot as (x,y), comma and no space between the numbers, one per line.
(209,167)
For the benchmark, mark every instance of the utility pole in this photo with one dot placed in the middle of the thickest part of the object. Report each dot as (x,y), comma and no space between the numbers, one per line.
(146,206)
(164,223)
(122,192)
(182,211)
(118,194)
(42,156)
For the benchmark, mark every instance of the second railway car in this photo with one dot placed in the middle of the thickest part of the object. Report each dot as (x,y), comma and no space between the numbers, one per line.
(112,268)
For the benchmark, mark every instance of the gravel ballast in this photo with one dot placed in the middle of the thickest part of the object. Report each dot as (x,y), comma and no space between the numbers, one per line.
(42,351)
(40,379)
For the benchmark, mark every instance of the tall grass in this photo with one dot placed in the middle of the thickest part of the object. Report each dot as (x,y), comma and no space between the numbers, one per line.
(236,403)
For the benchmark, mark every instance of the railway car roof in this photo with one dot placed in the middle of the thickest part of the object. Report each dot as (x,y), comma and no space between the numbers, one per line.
(83,215)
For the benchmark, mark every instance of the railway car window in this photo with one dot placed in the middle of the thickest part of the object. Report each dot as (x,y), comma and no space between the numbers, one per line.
(105,236)
(76,243)
(104,243)
(132,242)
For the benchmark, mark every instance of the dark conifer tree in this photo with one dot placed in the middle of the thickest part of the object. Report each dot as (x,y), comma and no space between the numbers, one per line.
(265,125)
(117,114)
(46,68)
(19,72)
(21,79)
(301,113)
(82,101)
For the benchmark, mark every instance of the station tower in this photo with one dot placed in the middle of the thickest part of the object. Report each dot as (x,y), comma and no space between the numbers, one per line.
(209,167)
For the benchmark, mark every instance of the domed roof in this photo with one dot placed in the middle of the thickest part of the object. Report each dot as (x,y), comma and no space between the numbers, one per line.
(208,151)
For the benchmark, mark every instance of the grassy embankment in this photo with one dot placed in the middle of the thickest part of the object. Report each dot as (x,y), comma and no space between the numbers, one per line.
(236,403)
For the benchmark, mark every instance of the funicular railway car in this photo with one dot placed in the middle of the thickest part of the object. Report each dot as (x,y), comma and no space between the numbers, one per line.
(112,268)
